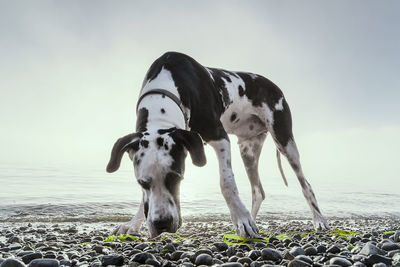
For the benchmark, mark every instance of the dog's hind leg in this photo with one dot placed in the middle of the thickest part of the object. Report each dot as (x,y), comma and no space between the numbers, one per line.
(250,149)
(133,226)
(282,134)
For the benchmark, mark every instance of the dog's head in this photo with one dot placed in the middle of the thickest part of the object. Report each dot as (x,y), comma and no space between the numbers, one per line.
(159,163)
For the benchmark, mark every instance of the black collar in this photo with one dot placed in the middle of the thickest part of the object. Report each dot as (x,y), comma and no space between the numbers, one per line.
(170,95)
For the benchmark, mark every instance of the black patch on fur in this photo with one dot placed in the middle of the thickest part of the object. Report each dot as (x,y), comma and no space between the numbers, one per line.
(162,111)
(315,207)
(138,162)
(146,209)
(245,149)
(233,116)
(222,149)
(261,90)
(163,131)
(146,133)
(142,154)
(283,124)
(144,143)
(166,147)
(228,162)
(160,141)
(241,91)
(178,155)
(172,183)
(142,120)
(251,127)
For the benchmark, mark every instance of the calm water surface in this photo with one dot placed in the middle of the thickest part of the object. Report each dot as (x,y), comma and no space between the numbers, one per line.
(47,194)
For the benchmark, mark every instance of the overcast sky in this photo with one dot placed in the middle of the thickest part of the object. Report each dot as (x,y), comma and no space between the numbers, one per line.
(71,71)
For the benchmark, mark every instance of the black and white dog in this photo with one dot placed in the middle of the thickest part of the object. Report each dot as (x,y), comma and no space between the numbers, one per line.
(183,104)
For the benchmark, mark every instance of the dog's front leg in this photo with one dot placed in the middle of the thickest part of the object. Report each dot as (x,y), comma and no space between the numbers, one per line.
(241,218)
(133,226)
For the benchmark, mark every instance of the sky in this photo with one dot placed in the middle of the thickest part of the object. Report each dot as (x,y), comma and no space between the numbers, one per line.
(71,71)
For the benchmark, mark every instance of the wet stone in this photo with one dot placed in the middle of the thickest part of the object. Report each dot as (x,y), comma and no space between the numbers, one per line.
(271,254)
(117,260)
(297,251)
(304,258)
(204,259)
(12,263)
(298,263)
(244,260)
(231,264)
(221,246)
(333,249)
(44,263)
(142,257)
(254,254)
(371,249)
(310,251)
(31,256)
(340,261)
(375,258)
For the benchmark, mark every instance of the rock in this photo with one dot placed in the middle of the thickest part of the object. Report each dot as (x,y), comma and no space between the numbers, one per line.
(142,257)
(44,263)
(333,249)
(176,255)
(231,264)
(358,264)
(117,260)
(340,261)
(14,246)
(297,251)
(298,263)
(204,259)
(379,265)
(12,263)
(31,256)
(287,255)
(271,254)
(203,251)
(396,237)
(375,258)
(153,262)
(371,249)
(388,246)
(14,239)
(230,251)
(254,254)
(221,246)
(245,260)
(321,249)
(393,252)
(304,258)
(142,246)
(168,248)
(310,251)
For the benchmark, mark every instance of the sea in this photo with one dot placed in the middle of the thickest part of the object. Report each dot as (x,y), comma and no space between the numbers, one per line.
(50,194)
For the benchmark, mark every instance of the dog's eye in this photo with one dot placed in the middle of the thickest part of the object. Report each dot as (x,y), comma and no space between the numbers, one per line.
(145,183)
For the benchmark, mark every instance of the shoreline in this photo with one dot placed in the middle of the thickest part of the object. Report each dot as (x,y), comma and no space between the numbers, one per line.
(82,243)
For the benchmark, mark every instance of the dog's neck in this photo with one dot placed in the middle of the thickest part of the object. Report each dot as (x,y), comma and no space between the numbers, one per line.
(163,113)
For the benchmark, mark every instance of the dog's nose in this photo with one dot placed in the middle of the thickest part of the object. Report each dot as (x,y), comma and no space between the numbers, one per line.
(163,224)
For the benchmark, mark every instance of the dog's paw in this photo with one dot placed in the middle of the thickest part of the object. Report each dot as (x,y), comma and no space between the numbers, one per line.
(126,228)
(320,224)
(244,224)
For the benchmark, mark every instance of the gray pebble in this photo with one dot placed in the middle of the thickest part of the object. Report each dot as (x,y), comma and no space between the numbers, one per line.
(371,249)
(12,263)
(142,257)
(340,261)
(44,263)
(379,265)
(231,264)
(388,246)
(271,254)
(297,251)
(333,249)
(311,251)
(298,263)
(204,259)
(245,260)
(31,256)
(221,246)
(117,260)
(304,258)
(375,258)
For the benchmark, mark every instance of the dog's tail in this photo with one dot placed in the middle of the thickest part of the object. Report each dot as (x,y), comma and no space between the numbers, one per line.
(278,157)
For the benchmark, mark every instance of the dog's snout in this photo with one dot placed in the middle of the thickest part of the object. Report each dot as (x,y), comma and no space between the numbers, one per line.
(163,224)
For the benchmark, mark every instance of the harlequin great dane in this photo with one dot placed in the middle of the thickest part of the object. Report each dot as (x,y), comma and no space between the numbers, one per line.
(183,104)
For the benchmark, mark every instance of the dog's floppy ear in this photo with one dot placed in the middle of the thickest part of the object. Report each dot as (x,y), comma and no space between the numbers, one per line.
(193,143)
(130,141)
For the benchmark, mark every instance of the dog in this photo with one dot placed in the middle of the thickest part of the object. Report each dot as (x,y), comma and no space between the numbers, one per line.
(182,106)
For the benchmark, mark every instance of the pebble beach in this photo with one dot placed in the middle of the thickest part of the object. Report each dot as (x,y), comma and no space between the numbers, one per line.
(361,241)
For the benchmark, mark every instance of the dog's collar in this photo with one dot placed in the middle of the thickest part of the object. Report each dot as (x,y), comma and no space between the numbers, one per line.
(173,97)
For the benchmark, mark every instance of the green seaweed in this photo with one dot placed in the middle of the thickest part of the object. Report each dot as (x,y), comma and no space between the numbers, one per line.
(122,237)
(84,244)
(343,234)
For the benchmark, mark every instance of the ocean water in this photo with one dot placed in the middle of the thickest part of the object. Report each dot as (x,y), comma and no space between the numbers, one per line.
(57,195)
